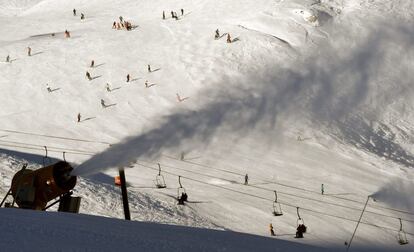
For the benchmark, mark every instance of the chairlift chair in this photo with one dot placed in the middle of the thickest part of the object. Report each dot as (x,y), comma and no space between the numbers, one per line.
(402,236)
(180,192)
(300,220)
(277,209)
(159,179)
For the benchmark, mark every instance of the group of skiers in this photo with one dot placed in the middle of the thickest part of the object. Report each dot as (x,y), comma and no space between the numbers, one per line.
(300,230)
(107,86)
(173,14)
(122,24)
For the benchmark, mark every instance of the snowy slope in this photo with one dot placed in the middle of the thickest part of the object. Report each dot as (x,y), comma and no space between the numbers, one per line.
(68,232)
(310,93)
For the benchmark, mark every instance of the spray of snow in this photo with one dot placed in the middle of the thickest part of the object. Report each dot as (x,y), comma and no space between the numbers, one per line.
(330,87)
(397,193)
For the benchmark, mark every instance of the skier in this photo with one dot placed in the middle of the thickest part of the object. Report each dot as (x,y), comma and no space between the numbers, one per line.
(74,12)
(272,232)
(88,75)
(103,103)
(163,15)
(82,16)
(146,84)
(217,34)
(8,58)
(300,230)
(228,38)
(79,117)
(246,179)
(182,12)
(121,19)
(114,25)
(48,88)
(172,14)
(67,34)
(108,87)
(180,200)
(322,189)
(92,63)
(128,25)
(149,68)
(128,78)
(29,51)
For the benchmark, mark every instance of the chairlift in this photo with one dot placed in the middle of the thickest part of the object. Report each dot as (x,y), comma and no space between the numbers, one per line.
(159,179)
(181,192)
(277,209)
(300,221)
(402,236)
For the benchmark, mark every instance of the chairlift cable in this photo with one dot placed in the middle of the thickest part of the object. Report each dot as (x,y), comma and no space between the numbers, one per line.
(55,137)
(283,203)
(289,194)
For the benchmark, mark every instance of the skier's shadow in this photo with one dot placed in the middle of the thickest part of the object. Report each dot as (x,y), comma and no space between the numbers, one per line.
(150,85)
(224,34)
(87,119)
(53,90)
(193,202)
(198,202)
(99,65)
(34,54)
(235,40)
(155,70)
(183,99)
(110,105)
(135,79)
(115,89)
(96,77)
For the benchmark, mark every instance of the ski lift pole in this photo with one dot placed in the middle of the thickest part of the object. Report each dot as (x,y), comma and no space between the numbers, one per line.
(359,221)
(275,197)
(159,169)
(64,156)
(400,224)
(124,194)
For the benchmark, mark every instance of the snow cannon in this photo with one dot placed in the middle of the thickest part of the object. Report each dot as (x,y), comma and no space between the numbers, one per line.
(33,189)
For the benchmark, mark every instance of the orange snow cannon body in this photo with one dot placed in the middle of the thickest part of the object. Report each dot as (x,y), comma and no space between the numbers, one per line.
(33,189)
